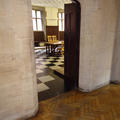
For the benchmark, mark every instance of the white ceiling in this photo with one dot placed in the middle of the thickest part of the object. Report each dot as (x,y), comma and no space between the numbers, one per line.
(50,3)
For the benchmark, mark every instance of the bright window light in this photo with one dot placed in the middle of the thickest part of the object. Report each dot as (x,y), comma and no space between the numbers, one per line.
(34,25)
(39,24)
(37,20)
(61,21)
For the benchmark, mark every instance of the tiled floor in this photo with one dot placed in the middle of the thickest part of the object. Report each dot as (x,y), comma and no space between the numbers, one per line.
(49,84)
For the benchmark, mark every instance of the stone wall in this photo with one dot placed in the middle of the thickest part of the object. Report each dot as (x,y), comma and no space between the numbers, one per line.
(115,73)
(18,88)
(98,26)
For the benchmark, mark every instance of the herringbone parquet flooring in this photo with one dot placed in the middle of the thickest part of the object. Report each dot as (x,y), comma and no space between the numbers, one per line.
(102,104)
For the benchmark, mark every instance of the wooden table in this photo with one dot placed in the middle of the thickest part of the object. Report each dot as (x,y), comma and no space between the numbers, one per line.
(50,46)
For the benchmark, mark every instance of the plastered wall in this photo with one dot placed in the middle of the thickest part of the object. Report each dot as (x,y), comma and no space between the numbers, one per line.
(51,16)
(98,27)
(18,89)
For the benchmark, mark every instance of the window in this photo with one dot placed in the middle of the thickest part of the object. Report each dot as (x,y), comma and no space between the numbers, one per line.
(37,20)
(61,21)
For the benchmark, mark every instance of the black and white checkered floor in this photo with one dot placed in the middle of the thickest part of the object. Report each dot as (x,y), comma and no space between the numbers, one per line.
(49,84)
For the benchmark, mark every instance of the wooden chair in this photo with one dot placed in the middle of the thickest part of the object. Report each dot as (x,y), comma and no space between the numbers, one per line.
(49,38)
(48,47)
(54,38)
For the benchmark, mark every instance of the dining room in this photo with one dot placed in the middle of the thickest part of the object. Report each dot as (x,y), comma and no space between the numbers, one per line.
(56,46)
(48,28)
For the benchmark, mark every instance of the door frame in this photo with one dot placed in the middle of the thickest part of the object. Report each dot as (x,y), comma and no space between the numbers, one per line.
(76,82)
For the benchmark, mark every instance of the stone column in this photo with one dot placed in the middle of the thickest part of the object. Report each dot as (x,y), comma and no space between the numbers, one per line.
(18,88)
(98,27)
(115,73)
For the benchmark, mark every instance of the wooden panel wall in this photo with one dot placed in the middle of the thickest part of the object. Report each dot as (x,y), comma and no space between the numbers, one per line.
(52,30)
(61,35)
(38,37)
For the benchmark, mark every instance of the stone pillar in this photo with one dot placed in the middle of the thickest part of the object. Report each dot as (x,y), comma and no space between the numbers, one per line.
(18,93)
(115,73)
(98,25)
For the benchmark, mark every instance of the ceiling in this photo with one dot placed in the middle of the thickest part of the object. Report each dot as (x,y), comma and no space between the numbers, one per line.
(50,3)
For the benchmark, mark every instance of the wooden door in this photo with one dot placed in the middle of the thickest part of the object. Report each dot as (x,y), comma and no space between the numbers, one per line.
(71,41)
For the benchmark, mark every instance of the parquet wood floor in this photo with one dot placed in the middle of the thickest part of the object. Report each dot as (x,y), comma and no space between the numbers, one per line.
(102,104)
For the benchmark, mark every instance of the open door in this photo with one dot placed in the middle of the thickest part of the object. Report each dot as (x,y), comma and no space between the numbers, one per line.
(71,42)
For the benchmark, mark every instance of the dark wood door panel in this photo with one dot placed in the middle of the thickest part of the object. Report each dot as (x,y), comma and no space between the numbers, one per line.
(38,37)
(71,40)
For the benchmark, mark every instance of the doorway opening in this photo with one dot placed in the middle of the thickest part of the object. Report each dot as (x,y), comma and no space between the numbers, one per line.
(56,40)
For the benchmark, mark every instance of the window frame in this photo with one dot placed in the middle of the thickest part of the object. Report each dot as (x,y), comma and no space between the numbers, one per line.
(36,18)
